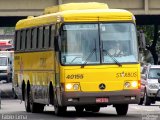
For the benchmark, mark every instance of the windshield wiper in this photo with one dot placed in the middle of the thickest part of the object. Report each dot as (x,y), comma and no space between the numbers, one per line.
(75,59)
(107,53)
(89,56)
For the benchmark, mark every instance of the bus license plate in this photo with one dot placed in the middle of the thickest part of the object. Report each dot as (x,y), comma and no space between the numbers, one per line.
(101,100)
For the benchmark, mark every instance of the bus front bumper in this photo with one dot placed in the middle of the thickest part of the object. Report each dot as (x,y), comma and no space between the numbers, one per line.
(100,98)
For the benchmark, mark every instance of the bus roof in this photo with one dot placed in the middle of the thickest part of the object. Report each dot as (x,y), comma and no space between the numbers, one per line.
(75,6)
(74,15)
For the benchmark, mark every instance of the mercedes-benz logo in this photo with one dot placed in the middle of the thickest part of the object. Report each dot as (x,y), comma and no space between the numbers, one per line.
(102,86)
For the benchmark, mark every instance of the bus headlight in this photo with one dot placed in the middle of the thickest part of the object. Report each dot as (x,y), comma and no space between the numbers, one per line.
(75,86)
(134,84)
(72,86)
(131,84)
(68,86)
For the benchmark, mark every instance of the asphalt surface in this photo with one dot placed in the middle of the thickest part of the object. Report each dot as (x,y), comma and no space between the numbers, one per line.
(15,108)
(12,109)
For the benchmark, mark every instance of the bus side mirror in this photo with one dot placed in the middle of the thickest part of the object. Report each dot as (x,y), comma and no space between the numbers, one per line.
(141,40)
(56,45)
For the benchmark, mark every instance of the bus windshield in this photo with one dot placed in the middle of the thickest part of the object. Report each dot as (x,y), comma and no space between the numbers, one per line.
(98,43)
(3,61)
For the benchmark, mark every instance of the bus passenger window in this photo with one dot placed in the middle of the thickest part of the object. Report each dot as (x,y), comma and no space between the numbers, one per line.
(40,37)
(52,35)
(28,39)
(34,38)
(46,37)
(23,40)
(18,40)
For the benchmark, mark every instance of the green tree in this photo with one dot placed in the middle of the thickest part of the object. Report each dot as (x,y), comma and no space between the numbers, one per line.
(152,36)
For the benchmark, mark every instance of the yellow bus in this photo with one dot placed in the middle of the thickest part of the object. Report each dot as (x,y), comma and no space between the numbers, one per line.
(66,57)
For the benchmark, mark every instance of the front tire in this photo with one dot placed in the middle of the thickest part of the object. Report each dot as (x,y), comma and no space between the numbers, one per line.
(92,108)
(79,109)
(59,110)
(121,109)
(95,109)
(36,107)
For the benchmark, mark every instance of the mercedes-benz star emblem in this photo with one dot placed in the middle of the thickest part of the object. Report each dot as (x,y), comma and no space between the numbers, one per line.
(102,86)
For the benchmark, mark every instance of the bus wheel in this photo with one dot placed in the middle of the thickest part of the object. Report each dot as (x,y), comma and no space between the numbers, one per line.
(95,109)
(79,109)
(92,108)
(35,107)
(27,102)
(59,110)
(88,108)
(40,107)
(121,109)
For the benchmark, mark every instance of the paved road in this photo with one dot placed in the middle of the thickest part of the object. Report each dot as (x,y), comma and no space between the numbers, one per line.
(15,109)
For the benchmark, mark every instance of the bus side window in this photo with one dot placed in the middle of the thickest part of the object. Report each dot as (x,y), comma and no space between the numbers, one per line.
(52,35)
(46,36)
(40,38)
(21,37)
(34,38)
(37,40)
(18,40)
(23,40)
(15,40)
(28,39)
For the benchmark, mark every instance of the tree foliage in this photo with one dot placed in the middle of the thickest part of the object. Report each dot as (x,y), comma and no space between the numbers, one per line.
(152,41)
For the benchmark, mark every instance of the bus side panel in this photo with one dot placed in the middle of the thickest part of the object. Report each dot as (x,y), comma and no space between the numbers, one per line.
(38,69)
